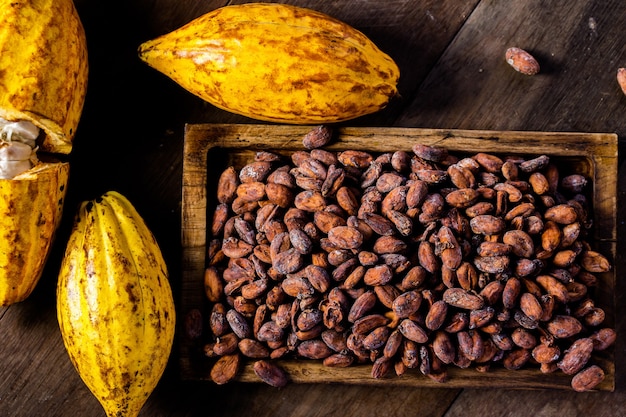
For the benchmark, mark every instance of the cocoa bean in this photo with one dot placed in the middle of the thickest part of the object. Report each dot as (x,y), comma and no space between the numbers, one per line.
(317,137)
(491,163)
(436,316)
(338,360)
(486,224)
(576,356)
(314,349)
(406,304)
(378,275)
(362,305)
(369,322)
(587,379)
(256,171)
(225,369)
(563,327)
(603,338)
(443,347)
(270,373)
(459,298)
(413,331)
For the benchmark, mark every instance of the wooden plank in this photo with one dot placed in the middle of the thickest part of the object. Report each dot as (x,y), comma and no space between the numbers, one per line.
(540,403)
(33,352)
(579,46)
(209,149)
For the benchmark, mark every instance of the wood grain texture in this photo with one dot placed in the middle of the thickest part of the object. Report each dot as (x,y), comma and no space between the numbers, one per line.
(209,149)
(451,55)
(579,46)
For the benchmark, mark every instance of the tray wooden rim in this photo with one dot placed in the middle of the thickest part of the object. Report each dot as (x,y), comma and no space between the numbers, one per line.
(599,148)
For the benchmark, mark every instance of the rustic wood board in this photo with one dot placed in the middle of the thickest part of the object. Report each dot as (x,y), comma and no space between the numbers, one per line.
(210,148)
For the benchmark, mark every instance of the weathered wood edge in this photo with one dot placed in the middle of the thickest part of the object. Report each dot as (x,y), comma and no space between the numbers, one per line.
(600,148)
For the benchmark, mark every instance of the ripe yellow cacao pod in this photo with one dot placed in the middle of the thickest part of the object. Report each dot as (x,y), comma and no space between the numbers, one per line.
(43,68)
(114,304)
(278,63)
(43,79)
(30,211)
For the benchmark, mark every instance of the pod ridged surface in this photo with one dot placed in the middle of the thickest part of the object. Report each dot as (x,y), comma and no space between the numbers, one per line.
(31,206)
(43,80)
(114,304)
(276,63)
(43,68)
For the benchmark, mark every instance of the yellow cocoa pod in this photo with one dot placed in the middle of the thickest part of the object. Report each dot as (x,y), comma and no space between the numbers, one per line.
(43,79)
(30,211)
(114,304)
(43,68)
(278,63)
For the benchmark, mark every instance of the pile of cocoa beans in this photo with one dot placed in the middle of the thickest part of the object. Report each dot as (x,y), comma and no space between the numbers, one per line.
(413,259)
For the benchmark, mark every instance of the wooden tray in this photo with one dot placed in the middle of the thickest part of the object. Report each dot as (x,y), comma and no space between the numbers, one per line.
(209,149)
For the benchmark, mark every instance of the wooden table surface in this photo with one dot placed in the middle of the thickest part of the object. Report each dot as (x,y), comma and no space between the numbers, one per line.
(451,56)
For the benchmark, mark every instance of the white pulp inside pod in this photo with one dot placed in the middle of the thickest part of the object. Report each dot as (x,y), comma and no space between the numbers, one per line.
(17,147)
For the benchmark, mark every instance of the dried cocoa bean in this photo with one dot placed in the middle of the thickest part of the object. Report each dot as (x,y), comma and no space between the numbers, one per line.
(378,275)
(487,224)
(288,262)
(470,344)
(481,317)
(389,245)
(256,171)
(516,359)
(416,194)
(461,177)
(317,137)
(227,185)
(523,338)
(436,316)
(588,378)
(318,277)
(226,344)
(369,322)
(574,183)
(595,262)
(492,292)
(362,305)
(297,286)
(563,327)
(530,305)
(492,264)
(314,349)
(535,164)
(238,324)
(575,358)
(427,257)
(379,224)
(282,176)
(225,369)
(553,287)
(338,360)
(603,338)
(270,373)
(491,163)
(459,298)
(413,331)
(433,208)
(406,303)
